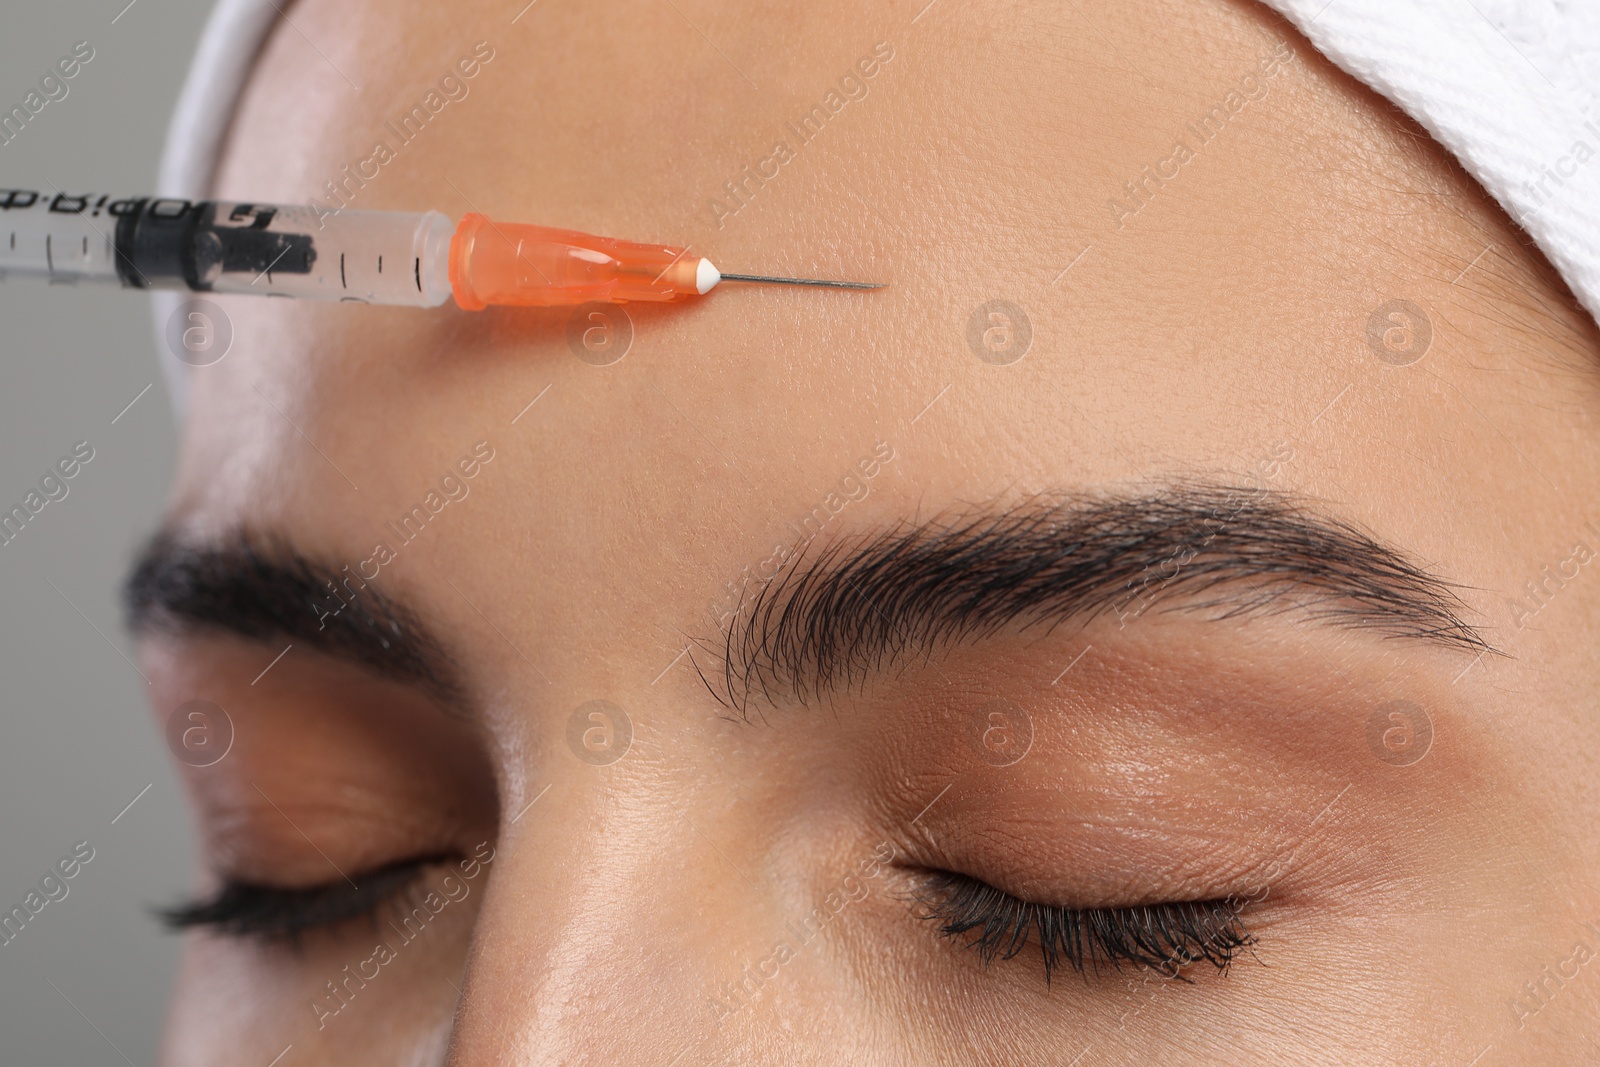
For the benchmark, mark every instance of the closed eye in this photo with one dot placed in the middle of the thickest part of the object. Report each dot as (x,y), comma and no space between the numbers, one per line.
(274,914)
(1164,937)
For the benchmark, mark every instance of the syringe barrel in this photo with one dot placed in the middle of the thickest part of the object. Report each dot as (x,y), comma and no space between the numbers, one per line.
(63,238)
(374,257)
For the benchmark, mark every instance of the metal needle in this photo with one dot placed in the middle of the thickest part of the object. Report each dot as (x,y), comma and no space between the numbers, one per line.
(801,281)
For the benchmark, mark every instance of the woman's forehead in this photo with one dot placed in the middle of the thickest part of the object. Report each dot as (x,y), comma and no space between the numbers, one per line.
(1115,279)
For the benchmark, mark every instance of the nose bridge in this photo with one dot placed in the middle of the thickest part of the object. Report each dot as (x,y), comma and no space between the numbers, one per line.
(604,937)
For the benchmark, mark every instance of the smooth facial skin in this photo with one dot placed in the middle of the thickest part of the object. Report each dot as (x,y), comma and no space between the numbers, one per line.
(1212,596)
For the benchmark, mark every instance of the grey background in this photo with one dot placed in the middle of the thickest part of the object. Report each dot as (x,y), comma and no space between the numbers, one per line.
(76,739)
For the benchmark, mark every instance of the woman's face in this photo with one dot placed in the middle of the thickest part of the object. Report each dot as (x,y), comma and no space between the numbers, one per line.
(1181,570)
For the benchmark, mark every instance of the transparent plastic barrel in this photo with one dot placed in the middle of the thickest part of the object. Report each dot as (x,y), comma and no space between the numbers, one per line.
(62,246)
(375,257)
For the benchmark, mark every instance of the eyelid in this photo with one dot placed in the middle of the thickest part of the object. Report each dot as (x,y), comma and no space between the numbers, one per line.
(1164,937)
(274,914)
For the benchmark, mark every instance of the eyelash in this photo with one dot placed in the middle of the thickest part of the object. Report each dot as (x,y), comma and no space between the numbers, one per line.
(271,914)
(1163,937)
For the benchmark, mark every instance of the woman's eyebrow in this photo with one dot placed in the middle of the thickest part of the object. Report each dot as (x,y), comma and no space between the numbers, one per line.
(862,603)
(263,590)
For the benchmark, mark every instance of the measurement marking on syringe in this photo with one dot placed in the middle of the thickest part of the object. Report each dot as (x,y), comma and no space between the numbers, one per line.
(380,264)
(49,263)
(416,270)
(342,283)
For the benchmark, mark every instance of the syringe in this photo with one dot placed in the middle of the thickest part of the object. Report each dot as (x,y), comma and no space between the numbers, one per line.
(370,257)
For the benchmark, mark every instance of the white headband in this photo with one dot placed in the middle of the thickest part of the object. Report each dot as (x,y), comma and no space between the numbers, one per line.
(1509,86)
(227,51)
